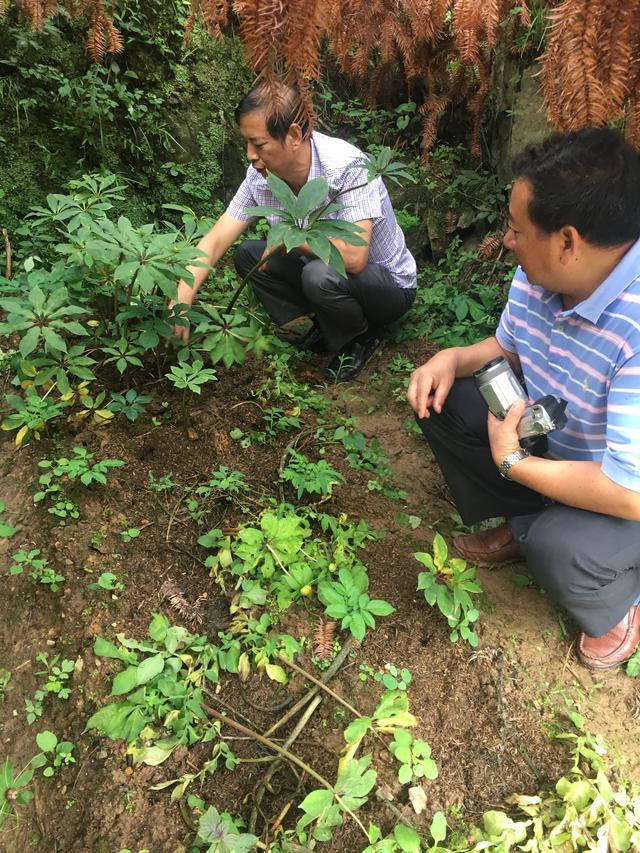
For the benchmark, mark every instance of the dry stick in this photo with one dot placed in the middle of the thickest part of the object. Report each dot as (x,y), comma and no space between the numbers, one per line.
(275,766)
(7,249)
(396,811)
(327,676)
(320,685)
(288,755)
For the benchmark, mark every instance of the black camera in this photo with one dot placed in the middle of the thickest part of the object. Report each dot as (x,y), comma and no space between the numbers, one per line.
(500,388)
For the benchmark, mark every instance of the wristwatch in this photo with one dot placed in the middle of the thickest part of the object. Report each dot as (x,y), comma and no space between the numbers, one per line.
(508,463)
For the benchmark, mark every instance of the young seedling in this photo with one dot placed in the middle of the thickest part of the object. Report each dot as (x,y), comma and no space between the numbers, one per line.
(14,789)
(58,674)
(59,753)
(41,571)
(414,757)
(449,583)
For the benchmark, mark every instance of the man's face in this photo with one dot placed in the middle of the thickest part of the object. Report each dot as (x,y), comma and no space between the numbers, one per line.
(534,250)
(266,154)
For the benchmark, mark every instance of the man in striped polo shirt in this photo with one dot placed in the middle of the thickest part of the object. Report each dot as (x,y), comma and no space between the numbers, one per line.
(349,313)
(572,328)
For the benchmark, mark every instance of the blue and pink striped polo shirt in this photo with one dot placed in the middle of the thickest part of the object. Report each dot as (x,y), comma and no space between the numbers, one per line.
(334,160)
(590,356)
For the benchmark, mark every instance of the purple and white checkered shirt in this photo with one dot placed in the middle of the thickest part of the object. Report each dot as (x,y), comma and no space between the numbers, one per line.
(332,159)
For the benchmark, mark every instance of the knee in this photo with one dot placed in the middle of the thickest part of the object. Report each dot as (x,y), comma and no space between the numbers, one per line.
(550,560)
(247,255)
(317,280)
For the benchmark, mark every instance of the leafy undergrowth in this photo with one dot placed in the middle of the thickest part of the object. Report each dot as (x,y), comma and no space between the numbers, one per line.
(210,615)
(202,585)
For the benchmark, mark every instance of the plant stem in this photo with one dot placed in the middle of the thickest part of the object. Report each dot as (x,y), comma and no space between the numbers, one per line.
(320,684)
(286,754)
(240,287)
(279,248)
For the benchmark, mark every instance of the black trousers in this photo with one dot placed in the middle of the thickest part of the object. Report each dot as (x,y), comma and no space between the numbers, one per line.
(587,561)
(296,284)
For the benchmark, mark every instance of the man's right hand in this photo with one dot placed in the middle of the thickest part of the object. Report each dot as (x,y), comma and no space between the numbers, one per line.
(430,383)
(181,332)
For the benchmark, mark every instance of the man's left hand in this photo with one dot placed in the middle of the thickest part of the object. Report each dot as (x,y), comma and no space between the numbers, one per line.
(503,435)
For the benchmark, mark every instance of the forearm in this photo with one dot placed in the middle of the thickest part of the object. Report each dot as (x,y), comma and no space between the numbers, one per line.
(467,360)
(210,256)
(577,484)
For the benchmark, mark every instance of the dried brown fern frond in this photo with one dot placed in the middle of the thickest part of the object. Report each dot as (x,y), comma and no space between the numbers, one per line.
(591,59)
(323,637)
(213,13)
(490,246)
(171,592)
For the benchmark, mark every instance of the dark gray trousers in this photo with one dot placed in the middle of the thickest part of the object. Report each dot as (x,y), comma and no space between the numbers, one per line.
(588,562)
(296,284)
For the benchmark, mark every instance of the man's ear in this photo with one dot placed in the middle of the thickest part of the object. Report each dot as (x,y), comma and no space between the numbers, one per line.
(295,134)
(570,241)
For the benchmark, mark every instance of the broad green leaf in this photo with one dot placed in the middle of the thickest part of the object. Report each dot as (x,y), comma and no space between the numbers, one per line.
(125,681)
(316,802)
(379,607)
(149,668)
(439,551)
(283,192)
(438,827)
(310,197)
(47,741)
(407,838)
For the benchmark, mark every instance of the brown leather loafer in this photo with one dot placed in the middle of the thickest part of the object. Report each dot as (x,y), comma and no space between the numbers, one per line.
(491,546)
(614,647)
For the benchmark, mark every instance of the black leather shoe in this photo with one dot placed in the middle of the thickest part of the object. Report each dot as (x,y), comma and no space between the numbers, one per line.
(312,341)
(352,358)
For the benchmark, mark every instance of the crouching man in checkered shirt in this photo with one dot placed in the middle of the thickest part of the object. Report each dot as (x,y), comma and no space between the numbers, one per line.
(349,313)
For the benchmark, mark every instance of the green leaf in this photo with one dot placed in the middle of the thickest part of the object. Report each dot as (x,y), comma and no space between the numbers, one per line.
(379,607)
(125,681)
(47,741)
(283,192)
(316,802)
(310,197)
(407,838)
(148,669)
(438,827)
(30,341)
(405,773)
(356,730)
(439,551)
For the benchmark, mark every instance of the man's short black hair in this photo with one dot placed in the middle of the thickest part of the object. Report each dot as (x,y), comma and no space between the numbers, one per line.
(280,116)
(587,178)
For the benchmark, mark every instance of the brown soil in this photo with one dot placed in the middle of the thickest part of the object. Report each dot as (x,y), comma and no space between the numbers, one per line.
(485,712)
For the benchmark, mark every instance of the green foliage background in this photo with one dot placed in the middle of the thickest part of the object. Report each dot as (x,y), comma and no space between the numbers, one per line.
(160,114)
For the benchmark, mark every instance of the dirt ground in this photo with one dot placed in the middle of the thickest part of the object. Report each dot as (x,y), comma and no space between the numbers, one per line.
(485,712)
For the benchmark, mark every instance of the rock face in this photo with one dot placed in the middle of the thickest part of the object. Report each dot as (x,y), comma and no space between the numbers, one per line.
(530,122)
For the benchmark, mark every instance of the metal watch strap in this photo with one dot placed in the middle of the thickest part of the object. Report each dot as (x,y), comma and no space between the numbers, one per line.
(510,461)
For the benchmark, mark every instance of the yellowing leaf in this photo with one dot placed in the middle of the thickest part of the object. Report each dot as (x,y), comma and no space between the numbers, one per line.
(21,435)
(276,673)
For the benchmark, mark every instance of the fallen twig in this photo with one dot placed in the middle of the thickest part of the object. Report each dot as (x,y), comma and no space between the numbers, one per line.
(320,684)
(289,756)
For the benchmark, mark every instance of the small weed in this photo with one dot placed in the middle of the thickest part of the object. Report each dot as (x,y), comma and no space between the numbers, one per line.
(108,581)
(57,674)
(41,571)
(58,753)
(414,757)
(449,583)
(316,478)
(128,534)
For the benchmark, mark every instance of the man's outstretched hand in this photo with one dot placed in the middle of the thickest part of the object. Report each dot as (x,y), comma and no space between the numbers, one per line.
(181,330)
(430,384)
